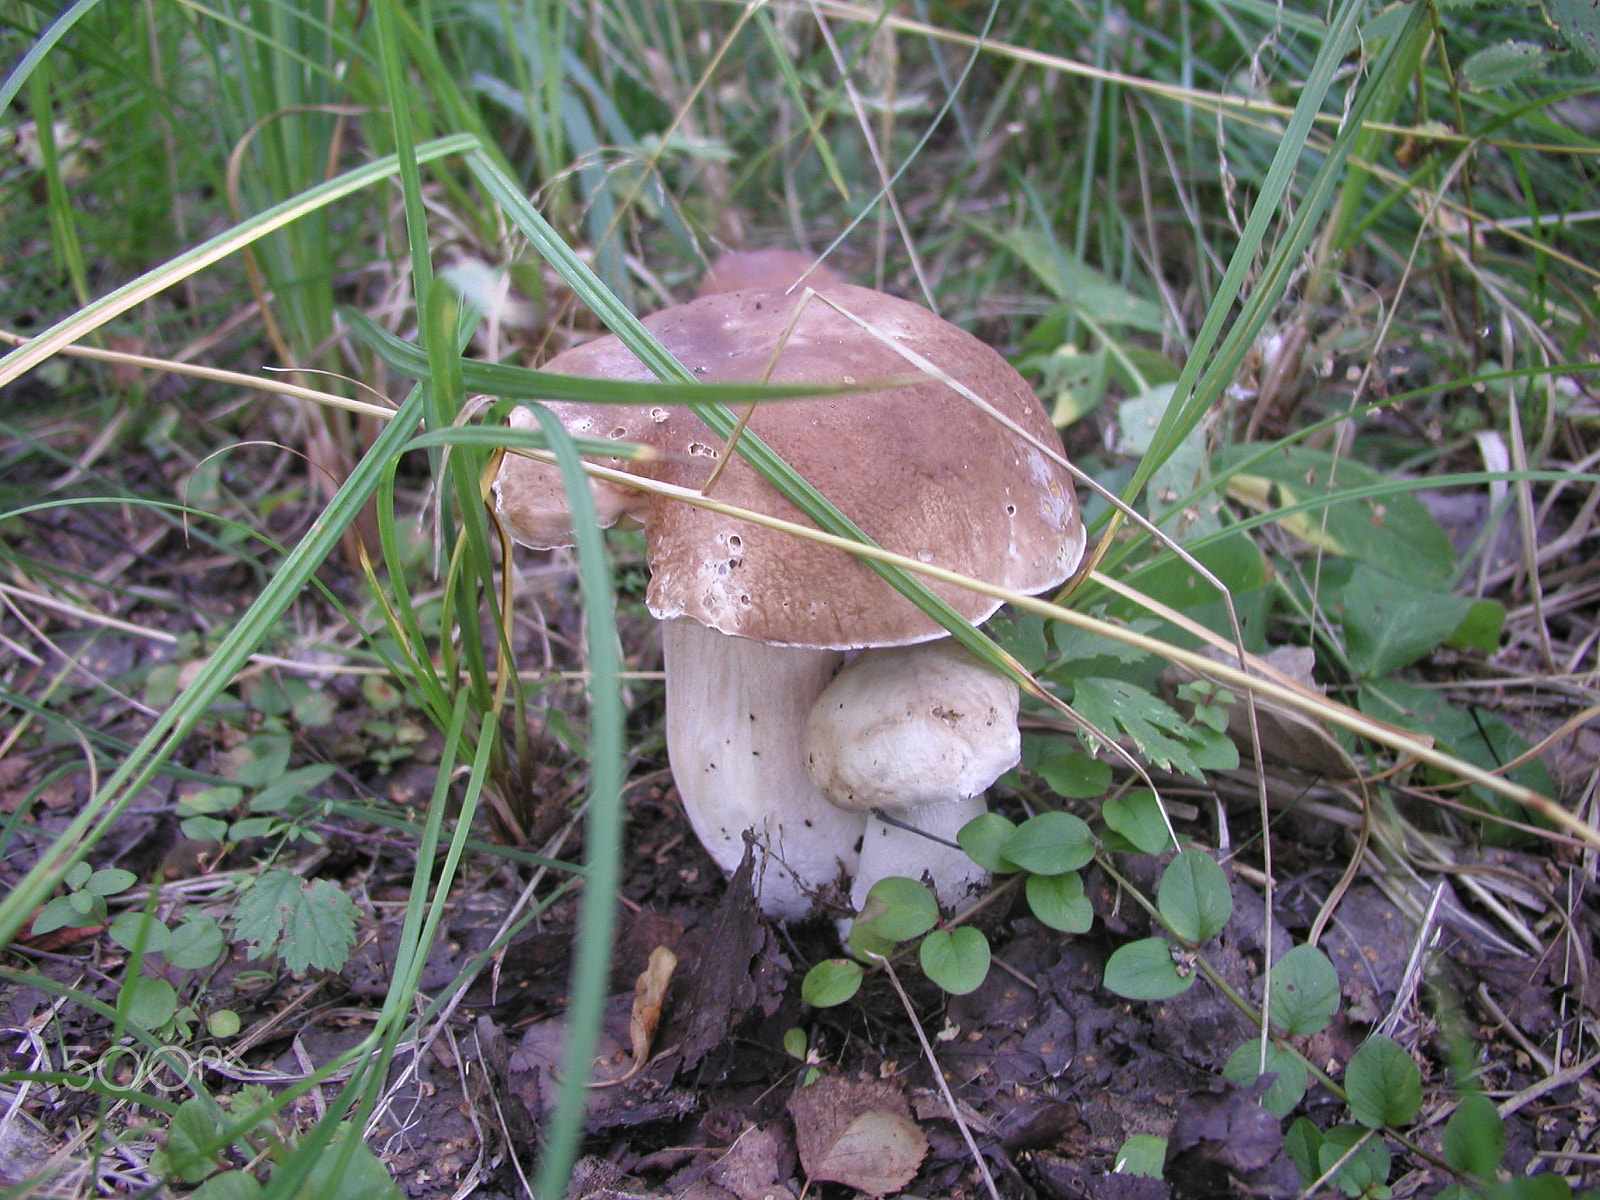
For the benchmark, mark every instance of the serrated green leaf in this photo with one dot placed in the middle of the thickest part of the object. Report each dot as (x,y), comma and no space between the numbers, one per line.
(1022,636)
(831,982)
(1194,897)
(1578,23)
(142,930)
(1050,843)
(1389,623)
(1383,1084)
(1288,1086)
(955,959)
(1305,991)
(195,944)
(1474,1137)
(1137,817)
(1503,64)
(982,838)
(1145,970)
(147,1002)
(1143,1154)
(192,1141)
(1058,901)
(899,909)
(259,917)
(1116,706)
(322,929)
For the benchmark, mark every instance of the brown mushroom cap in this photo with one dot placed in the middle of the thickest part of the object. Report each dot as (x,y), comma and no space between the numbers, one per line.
(923,471)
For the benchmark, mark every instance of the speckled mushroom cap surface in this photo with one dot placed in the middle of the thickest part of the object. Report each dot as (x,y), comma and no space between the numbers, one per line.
(923,471)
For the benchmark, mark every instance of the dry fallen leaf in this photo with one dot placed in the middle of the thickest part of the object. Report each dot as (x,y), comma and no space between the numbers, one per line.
(649,994)
(857,1133)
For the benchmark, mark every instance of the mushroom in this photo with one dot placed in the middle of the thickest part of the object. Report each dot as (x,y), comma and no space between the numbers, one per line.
(758,621)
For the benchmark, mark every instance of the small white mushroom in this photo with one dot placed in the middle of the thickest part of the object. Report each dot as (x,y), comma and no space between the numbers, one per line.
(916,734)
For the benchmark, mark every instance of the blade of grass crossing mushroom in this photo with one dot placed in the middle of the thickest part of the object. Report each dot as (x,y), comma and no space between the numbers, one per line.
(591,964)
(789,482)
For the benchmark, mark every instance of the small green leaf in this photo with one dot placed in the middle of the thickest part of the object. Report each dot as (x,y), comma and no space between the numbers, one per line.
(899,909)
(982,838)
(1481,628)
(1390,622)
(1288,1087)
(77,875)
(139,930)
(1366,1171)
(1117,706)
(1074,775)
(223,1024)
(147,1002)
(1137,817)
(1475,1137)
(1143,1154)
(193,1141)
(309,924)
(1050,844)
(955,959)
(195,944)
(794,1042)
(230,1185)
(1194,898)
(210,800)
(204,829)
(831,982)
(1504,64)
(1383,1084)
(347,1170)
(60,913)
(1058,901)
(109,881)
(1303,1146)
(1305,991)
(1146,970)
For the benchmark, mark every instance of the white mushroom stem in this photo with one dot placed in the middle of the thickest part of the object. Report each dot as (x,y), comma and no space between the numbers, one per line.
(919,733)
(735,713)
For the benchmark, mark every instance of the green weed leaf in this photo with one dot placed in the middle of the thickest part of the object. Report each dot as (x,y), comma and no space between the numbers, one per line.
(1072,774)
(1117,706)
(1059,902)
(1383,1084)
(309,924)
(1050,844)
(108,881)
(1305,991)
(831,982)
(1137,817)
(955,959)
(192,1141)
(1303,1146)
(1143,1154)
(1474,1136)
(347,1170)
(148,1002)
(1146,970)
(142,930)
(1366,1171)
(982,837)
(1194,898)
(898,909)
(1389,623)
(195,944)
(1288,1087)
(230,1185)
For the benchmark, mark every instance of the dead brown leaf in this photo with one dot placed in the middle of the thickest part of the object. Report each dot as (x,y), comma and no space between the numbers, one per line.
(857,1133)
